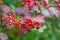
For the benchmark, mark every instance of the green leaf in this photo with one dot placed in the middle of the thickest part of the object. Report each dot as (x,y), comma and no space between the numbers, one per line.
(7,2)
(13,8)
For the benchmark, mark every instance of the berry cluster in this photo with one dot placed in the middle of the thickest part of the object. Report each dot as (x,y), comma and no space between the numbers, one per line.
(29,2)
(46,3)
(11,19)
(27,24)
(34,2)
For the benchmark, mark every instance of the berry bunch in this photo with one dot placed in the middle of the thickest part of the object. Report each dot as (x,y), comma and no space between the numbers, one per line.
(29,3)
(28,24)
(56,1)
(12,20)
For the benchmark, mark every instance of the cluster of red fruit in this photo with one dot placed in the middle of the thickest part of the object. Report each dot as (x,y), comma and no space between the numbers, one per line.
(56,1)
(28,24)
(28,2)
(45,2)
(11,19)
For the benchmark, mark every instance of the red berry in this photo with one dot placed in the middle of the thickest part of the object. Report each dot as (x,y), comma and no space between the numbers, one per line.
(34,22)
(18,25)
(29,6)
(7,16)
(13,15)
(10,24)
(56,1)
(23,23)
(27,0)
(45,3)
(38,23)
(33,26)
(20,19)
(58,5)
(28,19)
(10,17)
(23,3)
(38,27)
(29,24)
(35,2)
(14,21)
(3,19)
(28,28)
(38,4)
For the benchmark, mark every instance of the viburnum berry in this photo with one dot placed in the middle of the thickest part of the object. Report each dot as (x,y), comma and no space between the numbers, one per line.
(34,22)
(37,27)
(10,17)
(27,28)
(13,15)
(56,1)
(27,0)
(3,19)
(10,24)
(18,26)
(32,25)
(14,21)
(29,6)
(29,24)
(35,2)
(38,4)
(45,2)
(23,3)
(28,19)
(20,19)
(58,5)
(7,16)
(38,23)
